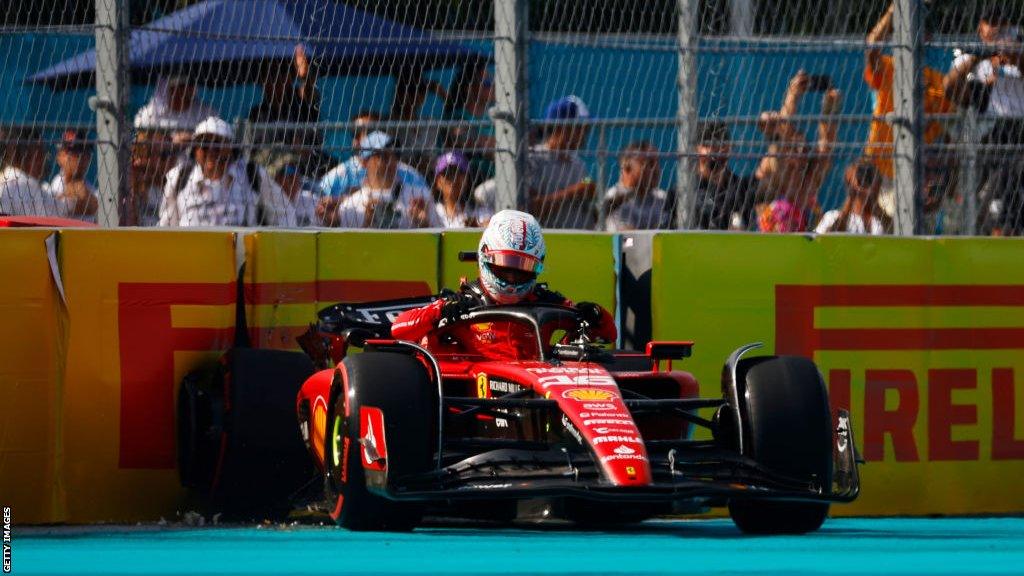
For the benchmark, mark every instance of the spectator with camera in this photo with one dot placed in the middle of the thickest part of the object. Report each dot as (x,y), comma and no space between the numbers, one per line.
(879,72)
(347,177)
(74,155)
(218,187)
(793,170)
(988,78)
(860,212)
(384,200)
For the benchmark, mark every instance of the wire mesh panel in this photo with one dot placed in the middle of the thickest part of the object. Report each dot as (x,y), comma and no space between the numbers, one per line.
(612,115)
(47,161)
(977,175)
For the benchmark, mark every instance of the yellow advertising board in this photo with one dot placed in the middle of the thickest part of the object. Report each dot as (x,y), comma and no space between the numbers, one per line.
(31,357)
(363,266)
(144,308)
(580,266)
(923,339)
(280,283)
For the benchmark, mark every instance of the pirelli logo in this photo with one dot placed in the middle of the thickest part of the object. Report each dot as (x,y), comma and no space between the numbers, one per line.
(931,372)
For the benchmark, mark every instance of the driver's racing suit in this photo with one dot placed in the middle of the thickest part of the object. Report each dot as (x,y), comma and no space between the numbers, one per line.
(492,340)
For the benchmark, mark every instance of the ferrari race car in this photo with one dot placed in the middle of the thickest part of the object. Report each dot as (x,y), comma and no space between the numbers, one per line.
(381,437)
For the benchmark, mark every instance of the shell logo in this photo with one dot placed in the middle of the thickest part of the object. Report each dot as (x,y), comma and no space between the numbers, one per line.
(588,395)
(319,426)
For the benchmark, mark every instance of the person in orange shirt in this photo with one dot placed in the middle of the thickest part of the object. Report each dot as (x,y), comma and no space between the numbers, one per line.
(879,71)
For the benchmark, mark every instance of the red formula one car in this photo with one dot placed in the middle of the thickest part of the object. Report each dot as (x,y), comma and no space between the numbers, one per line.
(590,435)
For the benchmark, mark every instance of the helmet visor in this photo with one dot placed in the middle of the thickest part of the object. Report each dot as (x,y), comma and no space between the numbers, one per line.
(512,259)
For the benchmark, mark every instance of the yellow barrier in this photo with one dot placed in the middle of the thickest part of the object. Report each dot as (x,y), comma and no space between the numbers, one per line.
(580,266)
(145,308)
(280,280)
(921,338)
(364,266)
(31,357)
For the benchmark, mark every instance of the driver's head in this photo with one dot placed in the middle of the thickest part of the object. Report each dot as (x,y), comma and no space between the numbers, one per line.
(510,256)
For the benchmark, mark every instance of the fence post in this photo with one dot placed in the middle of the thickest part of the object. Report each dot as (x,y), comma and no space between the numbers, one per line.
(907,126)
(741,18)
(111,104)
(968,180)
(686,113)
(511,109)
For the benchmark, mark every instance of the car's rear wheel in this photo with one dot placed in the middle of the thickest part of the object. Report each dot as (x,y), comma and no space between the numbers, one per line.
(395,388)
(239,444)
(788,430)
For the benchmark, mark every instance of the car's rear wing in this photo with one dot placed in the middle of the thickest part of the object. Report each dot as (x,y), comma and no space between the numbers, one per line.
(327,341)
(375,317)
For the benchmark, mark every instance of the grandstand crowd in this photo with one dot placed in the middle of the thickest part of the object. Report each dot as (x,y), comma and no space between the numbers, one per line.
(189,168)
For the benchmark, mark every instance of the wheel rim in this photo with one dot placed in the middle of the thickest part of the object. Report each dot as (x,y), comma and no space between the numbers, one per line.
(336,435)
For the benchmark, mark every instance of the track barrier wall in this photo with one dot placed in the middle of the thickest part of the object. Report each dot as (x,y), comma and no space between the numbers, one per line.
(921,338)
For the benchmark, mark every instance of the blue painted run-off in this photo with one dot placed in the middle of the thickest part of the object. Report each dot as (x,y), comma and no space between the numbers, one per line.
(703,547)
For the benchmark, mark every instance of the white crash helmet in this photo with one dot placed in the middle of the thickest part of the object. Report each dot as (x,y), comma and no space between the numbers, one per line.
(512,240)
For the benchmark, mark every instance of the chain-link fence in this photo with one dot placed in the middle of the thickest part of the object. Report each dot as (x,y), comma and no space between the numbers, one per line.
(850,116)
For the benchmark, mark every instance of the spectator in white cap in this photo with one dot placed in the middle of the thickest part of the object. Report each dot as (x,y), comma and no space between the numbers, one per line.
(384,200)
(174,107)
(218,188)
(347,177)
(561,193)
(153,156)
(455,205)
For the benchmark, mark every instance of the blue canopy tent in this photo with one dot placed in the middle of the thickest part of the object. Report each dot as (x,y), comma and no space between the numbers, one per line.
(220,42)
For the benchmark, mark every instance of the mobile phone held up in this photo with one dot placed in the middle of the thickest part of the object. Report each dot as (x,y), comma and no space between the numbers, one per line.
(819,82)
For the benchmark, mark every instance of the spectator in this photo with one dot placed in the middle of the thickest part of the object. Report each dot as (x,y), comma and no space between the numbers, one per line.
(289,96)
(792,171)
(348,176)
(383,200)
(153,155)
(724,201)
(69,185)
(218,188)
(24,163)
(298,189)
(419,143)
(879,72)
(456,207)
(636,202)
(471,98)
(860,213)
(942,206)
(174,107)
(990,80)
(561,193)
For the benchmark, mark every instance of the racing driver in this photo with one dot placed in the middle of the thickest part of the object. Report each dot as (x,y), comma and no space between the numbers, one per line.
(510,256)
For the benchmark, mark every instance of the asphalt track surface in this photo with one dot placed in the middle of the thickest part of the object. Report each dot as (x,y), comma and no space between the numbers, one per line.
(843,546)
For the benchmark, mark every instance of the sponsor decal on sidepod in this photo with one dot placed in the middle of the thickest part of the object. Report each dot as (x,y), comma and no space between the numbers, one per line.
(588,394)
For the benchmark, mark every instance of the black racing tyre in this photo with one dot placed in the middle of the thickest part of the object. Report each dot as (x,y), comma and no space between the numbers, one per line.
(399,386)
(239,441)
(787,429)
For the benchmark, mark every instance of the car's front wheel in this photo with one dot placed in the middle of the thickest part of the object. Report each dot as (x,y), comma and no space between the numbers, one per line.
(788,430)
(381,426)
